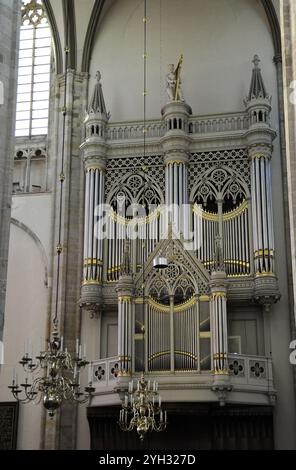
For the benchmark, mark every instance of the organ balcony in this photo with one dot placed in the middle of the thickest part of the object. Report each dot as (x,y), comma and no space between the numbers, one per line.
(250,377)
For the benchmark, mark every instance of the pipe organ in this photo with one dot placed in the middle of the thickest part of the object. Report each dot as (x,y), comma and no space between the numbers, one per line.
(220,201)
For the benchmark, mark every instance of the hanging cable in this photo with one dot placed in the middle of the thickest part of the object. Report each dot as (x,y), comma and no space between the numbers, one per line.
(59,246)
(144,155)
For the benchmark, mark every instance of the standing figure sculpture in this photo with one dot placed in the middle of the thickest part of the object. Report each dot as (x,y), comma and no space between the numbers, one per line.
(218,254)
(173,82)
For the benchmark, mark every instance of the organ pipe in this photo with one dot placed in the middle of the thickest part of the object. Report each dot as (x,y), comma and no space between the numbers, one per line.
(93,249)
(263,236)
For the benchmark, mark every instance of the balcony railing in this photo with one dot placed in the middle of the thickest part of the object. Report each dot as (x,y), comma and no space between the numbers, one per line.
(231,122)
(253,373)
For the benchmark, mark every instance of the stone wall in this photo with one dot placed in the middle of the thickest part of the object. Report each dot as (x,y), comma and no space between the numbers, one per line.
(288,28)
(9,27)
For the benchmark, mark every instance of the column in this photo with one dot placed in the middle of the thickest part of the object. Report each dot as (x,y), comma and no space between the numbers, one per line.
(218,314)
(125,314)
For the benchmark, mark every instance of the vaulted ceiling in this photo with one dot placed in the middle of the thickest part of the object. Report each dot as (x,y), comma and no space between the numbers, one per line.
(86,16)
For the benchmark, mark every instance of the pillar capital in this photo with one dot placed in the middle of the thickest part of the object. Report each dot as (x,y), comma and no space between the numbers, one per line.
(260,137)
(94,154)
(218,283)
(125,287)
(91,298)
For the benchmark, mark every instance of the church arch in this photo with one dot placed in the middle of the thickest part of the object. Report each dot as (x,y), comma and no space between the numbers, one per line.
(38,243)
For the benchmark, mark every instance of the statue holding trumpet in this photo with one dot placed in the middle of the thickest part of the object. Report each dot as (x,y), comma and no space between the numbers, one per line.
(173,82)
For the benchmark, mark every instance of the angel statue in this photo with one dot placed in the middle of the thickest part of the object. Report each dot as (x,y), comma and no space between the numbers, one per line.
(173,82)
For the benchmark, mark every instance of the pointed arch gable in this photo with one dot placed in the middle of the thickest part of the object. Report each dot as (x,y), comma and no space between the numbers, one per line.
(173,249)
(38,243)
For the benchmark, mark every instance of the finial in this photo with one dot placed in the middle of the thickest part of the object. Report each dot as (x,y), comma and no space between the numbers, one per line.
(256,61)
(97,102)
(257,87)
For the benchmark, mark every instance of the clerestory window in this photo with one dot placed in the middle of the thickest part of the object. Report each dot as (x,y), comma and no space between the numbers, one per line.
(33,71)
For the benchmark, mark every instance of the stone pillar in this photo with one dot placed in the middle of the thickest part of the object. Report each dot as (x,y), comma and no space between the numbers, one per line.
(288,76)
(10,13)
(175,144)
(61,432)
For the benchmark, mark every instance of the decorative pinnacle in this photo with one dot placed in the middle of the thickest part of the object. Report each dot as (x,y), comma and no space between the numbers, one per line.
(97,102)
(256,61)
(257,87)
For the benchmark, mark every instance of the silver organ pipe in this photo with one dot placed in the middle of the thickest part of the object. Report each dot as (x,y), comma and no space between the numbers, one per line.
(185,337)
(219,327)
(148,235)
(93,242)
(236,238)
(125,329)
(263,236)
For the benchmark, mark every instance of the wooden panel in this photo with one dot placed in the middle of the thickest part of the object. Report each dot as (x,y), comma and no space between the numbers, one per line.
(247,330)
(112,332)
(8,425)
(191,426)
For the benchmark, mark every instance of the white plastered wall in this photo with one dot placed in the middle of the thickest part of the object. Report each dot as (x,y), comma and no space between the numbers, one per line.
(26,302)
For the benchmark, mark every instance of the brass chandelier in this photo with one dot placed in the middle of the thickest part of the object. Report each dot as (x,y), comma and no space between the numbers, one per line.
(59,380)
(141,409)
(59,372)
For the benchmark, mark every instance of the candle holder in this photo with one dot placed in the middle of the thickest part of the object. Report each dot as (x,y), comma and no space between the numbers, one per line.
(59,380)
(141,409)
